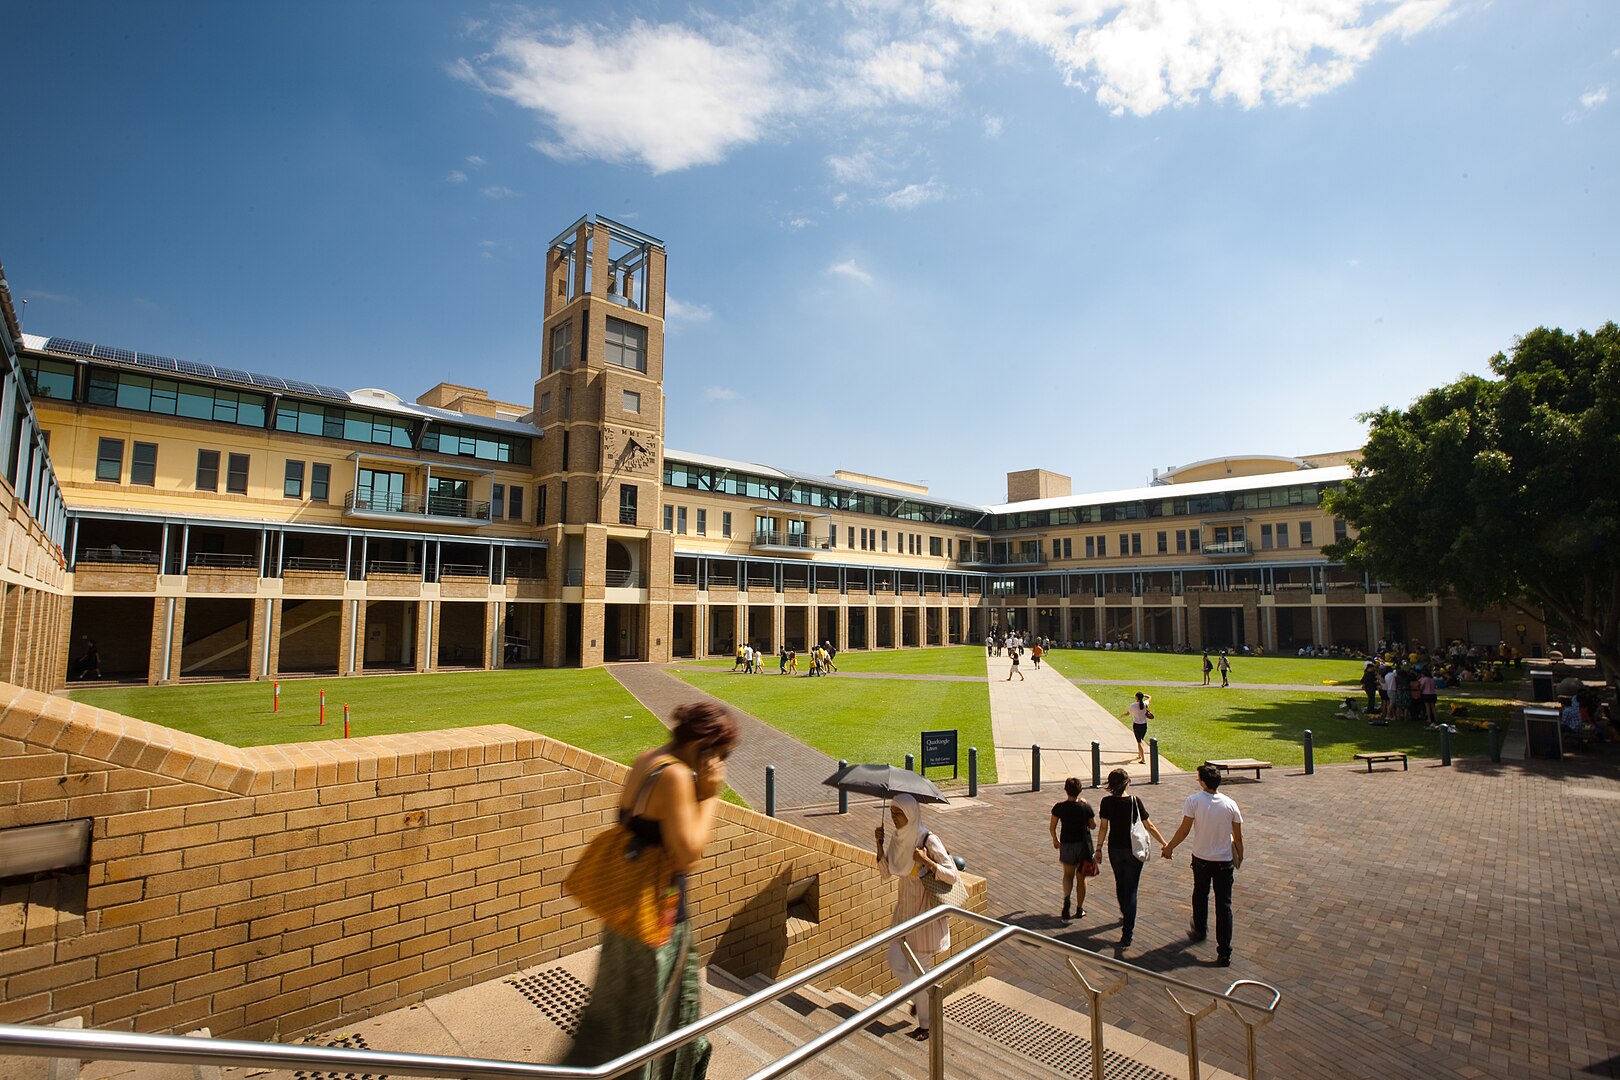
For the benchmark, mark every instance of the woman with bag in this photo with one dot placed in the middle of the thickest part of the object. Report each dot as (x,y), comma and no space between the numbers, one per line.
(912,854)
(1071,825)
(1123,832)
(647,975)
(1139,714)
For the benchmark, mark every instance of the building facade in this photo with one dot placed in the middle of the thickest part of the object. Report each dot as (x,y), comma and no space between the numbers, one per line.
(222,523)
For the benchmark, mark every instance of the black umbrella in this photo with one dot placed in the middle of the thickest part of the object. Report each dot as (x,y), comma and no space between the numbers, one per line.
(885,781)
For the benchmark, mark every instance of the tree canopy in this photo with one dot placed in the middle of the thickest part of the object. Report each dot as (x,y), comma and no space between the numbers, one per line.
(1502,490)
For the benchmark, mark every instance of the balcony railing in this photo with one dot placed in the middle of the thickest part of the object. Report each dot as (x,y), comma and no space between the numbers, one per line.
(118,556)
(397,504)
(1228,549)
(574,578)
(1008,558)
(297,562)
(623,579)
(389,566)
(222,561)
(798,541)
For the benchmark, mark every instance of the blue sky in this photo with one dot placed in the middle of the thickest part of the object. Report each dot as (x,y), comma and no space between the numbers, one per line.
(933,241)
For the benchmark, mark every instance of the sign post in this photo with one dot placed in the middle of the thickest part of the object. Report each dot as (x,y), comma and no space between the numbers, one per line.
(939,749)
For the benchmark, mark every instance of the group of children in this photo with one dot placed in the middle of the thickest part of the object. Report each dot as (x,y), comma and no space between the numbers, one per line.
(751,661)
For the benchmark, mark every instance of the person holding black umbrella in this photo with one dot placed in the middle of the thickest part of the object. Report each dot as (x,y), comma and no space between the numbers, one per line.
(906,853)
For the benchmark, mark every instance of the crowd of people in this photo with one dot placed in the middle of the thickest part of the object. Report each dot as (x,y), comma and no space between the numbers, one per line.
(752,661)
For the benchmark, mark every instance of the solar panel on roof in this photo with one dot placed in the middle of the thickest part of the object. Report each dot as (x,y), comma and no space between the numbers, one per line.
(298,387)
(108,352)
(191,367)
(68,345)
(271,381)
(232,374)
(153,360)
(333,392)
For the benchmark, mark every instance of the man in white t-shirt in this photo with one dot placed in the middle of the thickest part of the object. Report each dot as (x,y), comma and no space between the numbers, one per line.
(1217,851)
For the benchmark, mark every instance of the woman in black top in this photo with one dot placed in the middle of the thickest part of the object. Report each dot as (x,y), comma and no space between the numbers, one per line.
(1073,845)
(1115,812)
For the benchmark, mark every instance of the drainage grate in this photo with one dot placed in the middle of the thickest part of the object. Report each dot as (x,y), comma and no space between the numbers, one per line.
(347,1042)
(558,994)
(1053,1047)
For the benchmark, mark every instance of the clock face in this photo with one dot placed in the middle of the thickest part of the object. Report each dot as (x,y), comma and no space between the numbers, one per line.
(629,451)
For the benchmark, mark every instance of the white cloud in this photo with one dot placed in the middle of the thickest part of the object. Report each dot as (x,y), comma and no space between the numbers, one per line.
(665,96)
(1142,55)
(1593,98)
(720,393)
(798,223)
(488,248)
(912,72)
(457,177)
(848,269)
(475,161)
(914,195)
(679,313)
(993,126)
(497,191)
(857,168)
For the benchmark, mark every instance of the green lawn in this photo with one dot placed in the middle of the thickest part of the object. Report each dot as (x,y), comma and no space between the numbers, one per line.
(1195,724)
(583,708)
(864,720)
(951,660)
(1085,664)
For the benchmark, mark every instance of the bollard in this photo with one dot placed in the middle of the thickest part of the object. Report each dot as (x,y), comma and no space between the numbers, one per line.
(345,719)
(770,791)
(1153,761)
(973,772)
(911,763)
(1445,744)
(843,793)
(1035,767)
(1495,731)
(1310,753)
(275,697)
(1096,764)
(323,708)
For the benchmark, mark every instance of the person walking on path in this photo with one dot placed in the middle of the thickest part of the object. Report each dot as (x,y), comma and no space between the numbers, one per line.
(1138,713)
(1075,818)
(1226,669)
(906,853)
(1116,813)
(1217,852)
(1208,667)
(1014,670)
(1035,651)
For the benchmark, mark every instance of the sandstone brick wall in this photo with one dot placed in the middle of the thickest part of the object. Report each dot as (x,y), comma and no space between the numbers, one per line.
(269,892)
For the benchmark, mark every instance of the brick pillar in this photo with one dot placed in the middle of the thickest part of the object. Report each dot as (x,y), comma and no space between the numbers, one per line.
(1195,623)
(352,629)
(555,618)
(154,660)
(1251,620)
(494,635)
(178,641)
(700,630)
(423,648)
(265,624)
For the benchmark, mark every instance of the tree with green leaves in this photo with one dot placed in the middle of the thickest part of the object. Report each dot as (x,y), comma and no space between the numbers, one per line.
(1504,490)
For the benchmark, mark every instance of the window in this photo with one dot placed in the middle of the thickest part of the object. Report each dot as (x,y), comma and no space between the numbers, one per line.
(545,401)
(465,442)
(885,539)
(1305,534)
(142,393)
(702,522)
(1057,548)
(1181,541)
(514,503)
(143,465)
(1193,539)
(626,345)
(497,501)
(540,504)
(292,484)
(627,504)
(565,450)
(632,402)
(236,474)
(1102,547)
(852,537)
(1340,529)
(562,503)
(1091,547)
(208,470)
(725,523)
(320,482)
(1068,547)
(1265,537)
(764,528)
(1164,543)
(680,520)
(1282,534)
(1124,543)
(1136,543)
(935,546)
(562,338)
(669,518)
(110,460)
(48,379)
(832,536)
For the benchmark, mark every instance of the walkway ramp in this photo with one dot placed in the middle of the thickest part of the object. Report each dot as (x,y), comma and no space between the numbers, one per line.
(1047,710)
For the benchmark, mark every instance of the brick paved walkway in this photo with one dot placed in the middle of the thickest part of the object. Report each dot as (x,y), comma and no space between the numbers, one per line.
(1440,922)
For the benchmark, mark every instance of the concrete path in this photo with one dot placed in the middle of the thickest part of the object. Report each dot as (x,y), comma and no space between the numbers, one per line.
(1048,710)
(799,769)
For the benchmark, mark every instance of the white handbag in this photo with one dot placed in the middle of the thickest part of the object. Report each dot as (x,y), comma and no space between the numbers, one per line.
(1139,834)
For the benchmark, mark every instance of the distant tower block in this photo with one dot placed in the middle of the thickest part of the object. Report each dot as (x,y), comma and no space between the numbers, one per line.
(600,403)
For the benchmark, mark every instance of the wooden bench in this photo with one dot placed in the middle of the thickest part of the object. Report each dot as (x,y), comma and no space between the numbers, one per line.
(1393,755)
(1243,764)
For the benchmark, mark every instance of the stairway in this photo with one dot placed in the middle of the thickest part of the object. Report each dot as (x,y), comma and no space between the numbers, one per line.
(993,1031)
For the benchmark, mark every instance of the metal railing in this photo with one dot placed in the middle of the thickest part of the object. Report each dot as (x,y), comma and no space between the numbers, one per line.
(220,560)
(34,1041)
(393,502)
(393,566)
(574,577)
(299,562)
(766,538)
(623,579)
(1227,548)
(119,556)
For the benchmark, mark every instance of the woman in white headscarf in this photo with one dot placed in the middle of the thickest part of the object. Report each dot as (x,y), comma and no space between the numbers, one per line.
(905,853)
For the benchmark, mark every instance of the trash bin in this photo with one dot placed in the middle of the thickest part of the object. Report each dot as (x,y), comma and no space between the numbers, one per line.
(1541,685)
(1543,737)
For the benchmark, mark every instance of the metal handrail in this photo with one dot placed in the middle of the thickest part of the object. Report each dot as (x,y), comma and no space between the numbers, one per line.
(35,1041)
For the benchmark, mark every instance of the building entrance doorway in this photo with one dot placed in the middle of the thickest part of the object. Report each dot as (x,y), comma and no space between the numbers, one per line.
(621,627)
